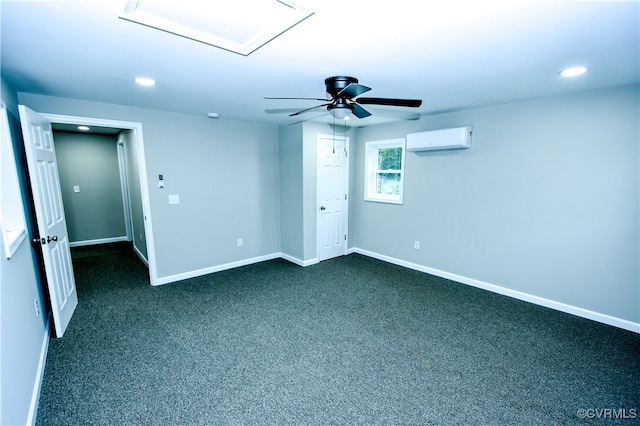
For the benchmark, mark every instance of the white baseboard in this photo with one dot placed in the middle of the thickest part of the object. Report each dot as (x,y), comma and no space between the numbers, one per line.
(140,255)
(197,273)
(98,241)
(559,306)
(299,262)
(37,386)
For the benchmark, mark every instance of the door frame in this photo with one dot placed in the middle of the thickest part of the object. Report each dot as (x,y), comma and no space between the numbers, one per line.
(345,177)
(142,167)
(124,184)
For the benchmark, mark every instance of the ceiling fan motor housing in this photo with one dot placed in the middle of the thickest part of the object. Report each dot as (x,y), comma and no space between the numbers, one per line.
(335,84)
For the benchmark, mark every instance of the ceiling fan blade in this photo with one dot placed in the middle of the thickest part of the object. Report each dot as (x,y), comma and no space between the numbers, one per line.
(394,114)
(307,109)
(306,119)
(360,112)
(308,99)
(352,90)
(413,103)
(281,110)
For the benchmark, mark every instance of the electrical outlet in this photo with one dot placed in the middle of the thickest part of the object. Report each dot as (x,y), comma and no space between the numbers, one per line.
(240,242)
(37,306)
(416,245)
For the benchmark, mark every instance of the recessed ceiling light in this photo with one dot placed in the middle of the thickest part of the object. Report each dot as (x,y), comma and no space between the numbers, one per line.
(573,71)
(144,81)
(84,128)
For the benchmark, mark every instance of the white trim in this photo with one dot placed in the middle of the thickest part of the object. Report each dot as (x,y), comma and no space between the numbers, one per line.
(124,185)
(299,262)
(142,171)
(199,272)
(140,255)
(256,34)
(37,386)
(12,239)
(537,300)
(98,241)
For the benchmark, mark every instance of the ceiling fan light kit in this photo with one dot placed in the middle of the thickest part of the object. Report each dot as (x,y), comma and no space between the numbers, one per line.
(345,100)
(340,110)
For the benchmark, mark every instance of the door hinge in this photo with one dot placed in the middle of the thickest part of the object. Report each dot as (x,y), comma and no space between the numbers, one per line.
(345,196)
(345,237)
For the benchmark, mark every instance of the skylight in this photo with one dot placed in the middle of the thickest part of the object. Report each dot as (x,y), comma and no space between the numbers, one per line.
(240,26)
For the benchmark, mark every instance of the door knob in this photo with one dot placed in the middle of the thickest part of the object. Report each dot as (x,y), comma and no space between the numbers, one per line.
(54,238)
(323,208)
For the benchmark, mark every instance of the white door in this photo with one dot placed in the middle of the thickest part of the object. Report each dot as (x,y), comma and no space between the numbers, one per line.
(52,227)
(333,178)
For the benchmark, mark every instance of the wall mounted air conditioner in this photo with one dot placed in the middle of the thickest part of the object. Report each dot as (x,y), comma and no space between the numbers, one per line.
(457,138)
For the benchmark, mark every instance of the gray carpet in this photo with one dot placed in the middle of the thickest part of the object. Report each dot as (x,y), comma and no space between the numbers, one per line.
(348,341)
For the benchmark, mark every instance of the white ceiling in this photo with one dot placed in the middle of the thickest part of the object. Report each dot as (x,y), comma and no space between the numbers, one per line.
(454,55)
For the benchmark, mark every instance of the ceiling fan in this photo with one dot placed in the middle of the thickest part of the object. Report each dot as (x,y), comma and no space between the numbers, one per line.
(344,92)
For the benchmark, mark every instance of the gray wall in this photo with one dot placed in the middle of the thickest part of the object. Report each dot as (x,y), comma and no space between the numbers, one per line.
(546,201)
(90,161)
(23,335)
(226,173)
(291,192)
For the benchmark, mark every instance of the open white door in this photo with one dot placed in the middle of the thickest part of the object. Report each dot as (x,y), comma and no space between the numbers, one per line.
(52,226)
(333,178)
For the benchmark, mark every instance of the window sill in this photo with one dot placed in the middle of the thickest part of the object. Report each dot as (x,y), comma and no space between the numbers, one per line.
(383,200)
(12,240)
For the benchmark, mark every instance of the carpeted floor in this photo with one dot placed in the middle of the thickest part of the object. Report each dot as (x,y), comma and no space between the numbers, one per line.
(351,340)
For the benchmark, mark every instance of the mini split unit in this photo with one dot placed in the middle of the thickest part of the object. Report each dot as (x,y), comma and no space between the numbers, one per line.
(457,138)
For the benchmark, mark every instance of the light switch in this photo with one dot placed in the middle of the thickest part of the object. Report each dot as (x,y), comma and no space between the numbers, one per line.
(76,188)
(174,199)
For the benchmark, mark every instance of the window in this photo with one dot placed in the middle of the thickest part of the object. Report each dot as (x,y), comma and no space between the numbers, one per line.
(384,171)
(12,220)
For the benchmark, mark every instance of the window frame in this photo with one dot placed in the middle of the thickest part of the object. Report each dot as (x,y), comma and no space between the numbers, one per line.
(12,217)
(371,171)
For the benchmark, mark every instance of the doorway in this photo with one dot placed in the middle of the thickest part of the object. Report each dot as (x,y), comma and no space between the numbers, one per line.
(93,180)
(332,193)
(135,186)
